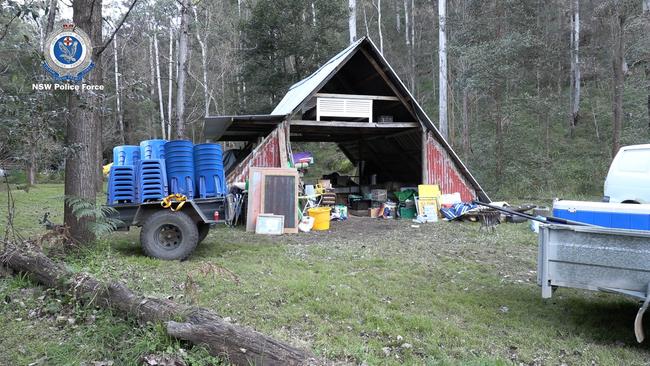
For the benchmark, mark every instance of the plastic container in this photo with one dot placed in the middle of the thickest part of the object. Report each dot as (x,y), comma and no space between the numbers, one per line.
(321,217)
(612,215)
(209,175)
(179,164)
(126,155)
(152,149)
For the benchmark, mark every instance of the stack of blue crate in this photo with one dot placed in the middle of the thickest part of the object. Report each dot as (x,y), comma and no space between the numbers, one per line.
(122,176)
(156,168)
(151,172)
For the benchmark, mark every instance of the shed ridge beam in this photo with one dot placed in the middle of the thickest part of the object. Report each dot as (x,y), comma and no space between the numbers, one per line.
(309,123)
(358,96)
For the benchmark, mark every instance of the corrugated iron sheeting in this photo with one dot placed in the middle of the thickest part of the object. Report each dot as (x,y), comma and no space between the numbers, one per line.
(443,172)
(267,154)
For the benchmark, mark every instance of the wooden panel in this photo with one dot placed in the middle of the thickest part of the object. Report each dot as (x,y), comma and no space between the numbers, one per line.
(254,198)
(442,170)
(280,195)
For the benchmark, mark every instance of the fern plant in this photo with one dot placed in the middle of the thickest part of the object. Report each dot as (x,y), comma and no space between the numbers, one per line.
(100,219)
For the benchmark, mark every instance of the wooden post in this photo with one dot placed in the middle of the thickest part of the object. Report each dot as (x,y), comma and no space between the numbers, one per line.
(425,163)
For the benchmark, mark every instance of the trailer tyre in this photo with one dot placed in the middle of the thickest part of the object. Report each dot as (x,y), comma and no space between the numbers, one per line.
(204,229)
(169,235)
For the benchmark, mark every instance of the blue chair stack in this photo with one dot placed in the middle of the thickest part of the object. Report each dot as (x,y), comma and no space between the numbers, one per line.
(122,176)
(151,172)
(208,170)
(179,162)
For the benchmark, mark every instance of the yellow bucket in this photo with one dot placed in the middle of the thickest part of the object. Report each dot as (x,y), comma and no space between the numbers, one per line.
(321,217)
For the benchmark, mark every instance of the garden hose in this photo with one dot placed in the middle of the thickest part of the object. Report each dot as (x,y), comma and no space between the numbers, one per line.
(176,197)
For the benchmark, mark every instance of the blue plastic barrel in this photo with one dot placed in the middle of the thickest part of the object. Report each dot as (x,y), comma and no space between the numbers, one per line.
(179,161)
(208,170)
(152,149)
(126,155)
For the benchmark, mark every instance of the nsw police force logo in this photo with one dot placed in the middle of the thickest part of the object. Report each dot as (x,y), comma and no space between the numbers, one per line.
(68,54)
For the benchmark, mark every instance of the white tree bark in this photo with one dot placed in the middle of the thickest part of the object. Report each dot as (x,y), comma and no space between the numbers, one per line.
(352,20)
(183,49)
(204,66)
(442,56)
(406,23)
(152,87)
(646,6)
(161,104)
(575,65)
(170,81)
(381,37)
(118,95)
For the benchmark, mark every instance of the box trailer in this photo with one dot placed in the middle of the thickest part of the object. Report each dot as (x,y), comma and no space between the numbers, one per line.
(598,259)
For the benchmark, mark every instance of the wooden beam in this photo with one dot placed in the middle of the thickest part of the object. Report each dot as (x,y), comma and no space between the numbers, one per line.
(357,96)
(306,123)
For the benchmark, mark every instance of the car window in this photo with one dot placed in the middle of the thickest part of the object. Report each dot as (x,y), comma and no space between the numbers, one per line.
(637,160)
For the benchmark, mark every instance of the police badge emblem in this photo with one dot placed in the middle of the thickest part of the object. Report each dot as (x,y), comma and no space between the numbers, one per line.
(68,54)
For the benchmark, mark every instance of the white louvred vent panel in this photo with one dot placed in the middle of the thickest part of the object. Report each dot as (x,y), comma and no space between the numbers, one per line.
(340,107)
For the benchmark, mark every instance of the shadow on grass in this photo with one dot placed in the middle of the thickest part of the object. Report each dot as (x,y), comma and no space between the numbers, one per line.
(597,317)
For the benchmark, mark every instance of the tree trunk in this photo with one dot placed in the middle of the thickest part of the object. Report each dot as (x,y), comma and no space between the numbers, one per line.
(51,17)
(381,37)
(204,66)
(406,23)
(170,81)
(82,127)
(152,90)
(646,15)
(161,104)
(183,49)
(240,345)
(31,166)
(352,20)
(118,95)
(618,81)
(442,68)
(575,67)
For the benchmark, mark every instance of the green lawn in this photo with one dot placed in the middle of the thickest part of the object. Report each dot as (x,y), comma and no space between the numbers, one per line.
(379,292)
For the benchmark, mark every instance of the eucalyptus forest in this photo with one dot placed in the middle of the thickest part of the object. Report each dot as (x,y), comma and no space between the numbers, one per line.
(535,96)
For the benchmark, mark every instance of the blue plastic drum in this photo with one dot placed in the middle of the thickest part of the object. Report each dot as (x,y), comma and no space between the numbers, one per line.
(179,161)
(208,170)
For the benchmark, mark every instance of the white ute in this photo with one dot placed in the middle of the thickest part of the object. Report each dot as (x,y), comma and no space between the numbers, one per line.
(628,180)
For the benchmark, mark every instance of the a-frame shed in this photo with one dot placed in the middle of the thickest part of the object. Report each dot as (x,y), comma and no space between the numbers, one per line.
(357,101)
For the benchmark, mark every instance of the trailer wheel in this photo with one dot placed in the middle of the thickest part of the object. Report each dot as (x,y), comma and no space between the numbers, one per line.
(204,229)
(169,235)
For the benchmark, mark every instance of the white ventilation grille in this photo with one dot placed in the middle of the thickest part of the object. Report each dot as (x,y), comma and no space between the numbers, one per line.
(347,108)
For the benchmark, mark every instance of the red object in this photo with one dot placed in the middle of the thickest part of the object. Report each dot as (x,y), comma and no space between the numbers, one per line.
(265,155)
(67,41)
(216,215)
(443,171)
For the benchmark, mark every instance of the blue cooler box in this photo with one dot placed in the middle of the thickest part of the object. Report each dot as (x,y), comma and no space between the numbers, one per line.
(612,215)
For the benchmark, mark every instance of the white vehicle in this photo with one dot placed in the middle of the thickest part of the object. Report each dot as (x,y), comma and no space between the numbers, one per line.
(628,180)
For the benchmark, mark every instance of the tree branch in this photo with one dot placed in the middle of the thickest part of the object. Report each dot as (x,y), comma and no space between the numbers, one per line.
(119,25)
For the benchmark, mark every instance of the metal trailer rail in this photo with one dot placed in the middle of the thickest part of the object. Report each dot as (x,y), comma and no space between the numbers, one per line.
(598,259)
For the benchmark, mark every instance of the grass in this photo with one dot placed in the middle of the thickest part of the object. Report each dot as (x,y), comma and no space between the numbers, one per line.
(379,292)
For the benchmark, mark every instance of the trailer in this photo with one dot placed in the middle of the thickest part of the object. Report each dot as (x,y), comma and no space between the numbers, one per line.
(596,258)
(171,230)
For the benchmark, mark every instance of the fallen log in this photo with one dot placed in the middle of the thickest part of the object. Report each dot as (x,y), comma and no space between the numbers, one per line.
(239,345)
